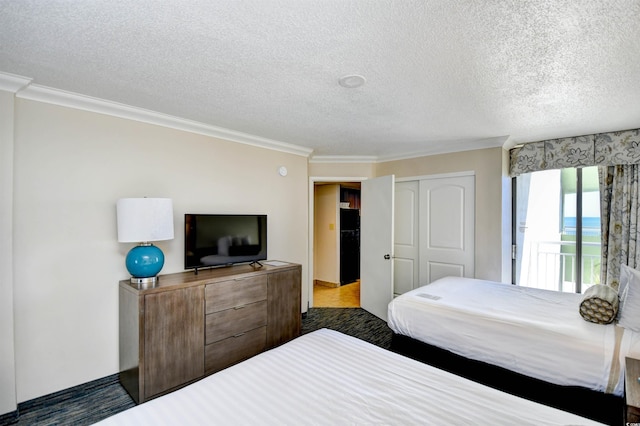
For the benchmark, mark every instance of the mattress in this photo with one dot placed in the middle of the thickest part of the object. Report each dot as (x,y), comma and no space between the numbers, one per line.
(538,333)
(326,377)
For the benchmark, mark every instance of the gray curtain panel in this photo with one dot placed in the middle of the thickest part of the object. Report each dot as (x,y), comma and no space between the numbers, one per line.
(619,211)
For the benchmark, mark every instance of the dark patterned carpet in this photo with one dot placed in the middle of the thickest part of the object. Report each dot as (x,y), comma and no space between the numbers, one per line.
(91,402)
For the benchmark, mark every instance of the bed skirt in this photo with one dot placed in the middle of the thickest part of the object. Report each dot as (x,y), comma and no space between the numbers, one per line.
(599,406)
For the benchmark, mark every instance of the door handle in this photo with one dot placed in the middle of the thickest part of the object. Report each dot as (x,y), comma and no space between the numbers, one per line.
(387,256)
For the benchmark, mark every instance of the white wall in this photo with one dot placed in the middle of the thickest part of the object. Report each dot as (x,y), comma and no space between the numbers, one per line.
(70,168)
(7,361)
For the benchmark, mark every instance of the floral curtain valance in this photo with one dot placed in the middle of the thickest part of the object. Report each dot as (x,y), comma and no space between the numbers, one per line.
(602,149)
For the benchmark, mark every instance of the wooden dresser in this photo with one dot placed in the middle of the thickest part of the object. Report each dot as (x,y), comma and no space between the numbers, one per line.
(190,325)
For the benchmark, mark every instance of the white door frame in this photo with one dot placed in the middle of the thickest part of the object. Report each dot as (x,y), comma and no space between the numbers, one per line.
(312,181)
(316,179)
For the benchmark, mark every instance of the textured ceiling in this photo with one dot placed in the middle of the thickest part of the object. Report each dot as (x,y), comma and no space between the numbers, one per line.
(441,76)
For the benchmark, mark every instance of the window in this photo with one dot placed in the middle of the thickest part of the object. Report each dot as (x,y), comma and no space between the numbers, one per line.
(557,229)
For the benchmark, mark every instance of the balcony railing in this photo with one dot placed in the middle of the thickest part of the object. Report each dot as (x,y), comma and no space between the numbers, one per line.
(551,265)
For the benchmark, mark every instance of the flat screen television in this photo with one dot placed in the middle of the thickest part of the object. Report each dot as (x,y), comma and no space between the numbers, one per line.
(213,240)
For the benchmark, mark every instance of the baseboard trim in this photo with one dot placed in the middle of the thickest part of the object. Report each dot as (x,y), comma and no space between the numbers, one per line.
(326,283)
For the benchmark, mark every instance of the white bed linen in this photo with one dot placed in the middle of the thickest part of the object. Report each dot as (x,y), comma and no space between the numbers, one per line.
(539,333)
(326,377)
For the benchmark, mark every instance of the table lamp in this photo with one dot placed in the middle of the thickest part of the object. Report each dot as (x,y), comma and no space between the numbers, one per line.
(142,220)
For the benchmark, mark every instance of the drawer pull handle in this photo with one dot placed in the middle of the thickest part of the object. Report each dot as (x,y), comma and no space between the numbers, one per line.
(239,307)
(238,335)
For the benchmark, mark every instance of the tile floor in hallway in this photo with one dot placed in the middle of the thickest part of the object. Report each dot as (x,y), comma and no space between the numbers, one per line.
(345,296)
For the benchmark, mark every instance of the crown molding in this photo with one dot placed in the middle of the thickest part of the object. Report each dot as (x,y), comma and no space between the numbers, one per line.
(13,83)
(469,145)
(50,95)
(343,159)
(499,141)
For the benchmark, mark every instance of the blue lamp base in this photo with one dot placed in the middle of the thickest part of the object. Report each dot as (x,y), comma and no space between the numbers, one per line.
(144,263)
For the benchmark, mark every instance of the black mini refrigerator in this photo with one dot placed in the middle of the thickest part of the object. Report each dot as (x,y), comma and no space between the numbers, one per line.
(349,245)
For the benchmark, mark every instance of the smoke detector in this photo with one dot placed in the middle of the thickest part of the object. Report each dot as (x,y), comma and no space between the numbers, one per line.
(351,81)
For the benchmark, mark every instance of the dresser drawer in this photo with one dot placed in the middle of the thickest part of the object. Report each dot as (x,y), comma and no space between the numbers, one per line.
(224,324)
(238,292)
(232,350)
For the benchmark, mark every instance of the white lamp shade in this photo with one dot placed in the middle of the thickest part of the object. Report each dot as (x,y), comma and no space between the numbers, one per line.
(144,219)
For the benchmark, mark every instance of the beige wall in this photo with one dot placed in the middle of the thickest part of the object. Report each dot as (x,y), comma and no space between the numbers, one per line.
(70,168)
(326,253)
(7,360)
(487,164)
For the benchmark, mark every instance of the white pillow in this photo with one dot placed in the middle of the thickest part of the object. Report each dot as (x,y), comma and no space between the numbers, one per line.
(630,309)
(625,275)
(623,284)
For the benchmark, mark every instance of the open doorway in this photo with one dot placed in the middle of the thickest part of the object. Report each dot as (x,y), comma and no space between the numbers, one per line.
(334,242)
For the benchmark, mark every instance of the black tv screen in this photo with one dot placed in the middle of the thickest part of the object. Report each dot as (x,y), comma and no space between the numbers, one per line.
(212,240)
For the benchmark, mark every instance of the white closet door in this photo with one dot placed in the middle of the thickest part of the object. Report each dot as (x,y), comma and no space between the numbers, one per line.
(447,221)
(406,263)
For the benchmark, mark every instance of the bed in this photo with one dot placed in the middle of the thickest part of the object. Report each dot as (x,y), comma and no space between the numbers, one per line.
(534,333)
(326,377)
